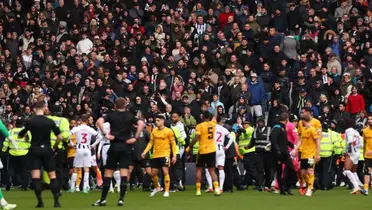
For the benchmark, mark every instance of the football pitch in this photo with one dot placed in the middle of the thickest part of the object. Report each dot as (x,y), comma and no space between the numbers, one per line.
(337,199)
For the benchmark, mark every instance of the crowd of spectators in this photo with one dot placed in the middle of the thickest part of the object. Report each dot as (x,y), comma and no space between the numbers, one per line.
(244,58)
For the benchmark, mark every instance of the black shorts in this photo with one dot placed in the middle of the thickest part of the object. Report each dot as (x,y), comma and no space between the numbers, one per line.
(160,162)
(118,159)
(42,157)
(368,162)
(304,164)
(145,163)
(206,160)
(70,162)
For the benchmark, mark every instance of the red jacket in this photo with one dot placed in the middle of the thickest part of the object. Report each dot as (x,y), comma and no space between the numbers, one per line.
(222,18)
(355,104)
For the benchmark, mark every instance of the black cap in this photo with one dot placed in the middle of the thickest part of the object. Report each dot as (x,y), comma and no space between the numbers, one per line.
(246,122)
(260,119)
(308,109)
(56,109)
(293,118)
(19,122)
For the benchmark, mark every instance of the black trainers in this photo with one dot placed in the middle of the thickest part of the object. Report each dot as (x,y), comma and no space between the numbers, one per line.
(57,204)
(99,203)
(289,192)
(40,205)
(120,203)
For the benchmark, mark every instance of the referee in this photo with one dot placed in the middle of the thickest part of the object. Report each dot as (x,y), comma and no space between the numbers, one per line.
(121,122)
(41,153)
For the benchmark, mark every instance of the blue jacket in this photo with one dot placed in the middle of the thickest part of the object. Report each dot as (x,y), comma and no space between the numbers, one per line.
(257,92)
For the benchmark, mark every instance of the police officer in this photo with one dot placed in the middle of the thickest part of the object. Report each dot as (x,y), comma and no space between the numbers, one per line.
(260,140)
(249,160)
(326,155)
(339,148)
(61,154)
(18,162)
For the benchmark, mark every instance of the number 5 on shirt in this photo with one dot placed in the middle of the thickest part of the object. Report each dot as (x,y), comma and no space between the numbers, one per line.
(210,133)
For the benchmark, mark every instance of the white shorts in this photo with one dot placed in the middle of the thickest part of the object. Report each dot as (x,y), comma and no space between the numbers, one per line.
(355,158)
(105,149)
(220,158)
(82,158)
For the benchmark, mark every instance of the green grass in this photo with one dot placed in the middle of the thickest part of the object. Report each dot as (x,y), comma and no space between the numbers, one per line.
(337,199)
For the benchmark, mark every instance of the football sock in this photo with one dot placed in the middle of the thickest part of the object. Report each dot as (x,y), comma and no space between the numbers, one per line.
(2,200)
(302,180)
(356,177)
(366,186)
(155,181)
(73,180)
(222,178)
(117,178)
(166,183)
(351,177)
(86,180)
(37,189)
(215,185)
(209,179)
(79,176)
(111,187)
(54,187)
(123,187)
(310,181)
(198,186)
(306,179)
(146,181)
(105,188)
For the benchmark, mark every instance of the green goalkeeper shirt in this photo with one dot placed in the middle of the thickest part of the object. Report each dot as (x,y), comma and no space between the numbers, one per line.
(3,130)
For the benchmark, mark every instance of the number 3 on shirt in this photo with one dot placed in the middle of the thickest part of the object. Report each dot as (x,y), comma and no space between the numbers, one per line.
(84,137)
(210,133)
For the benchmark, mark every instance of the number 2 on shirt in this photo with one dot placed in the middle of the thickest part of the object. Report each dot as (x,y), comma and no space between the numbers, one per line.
(84,137)
(219,136)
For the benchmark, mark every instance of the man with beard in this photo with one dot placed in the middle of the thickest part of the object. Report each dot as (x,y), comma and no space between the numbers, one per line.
(177,171)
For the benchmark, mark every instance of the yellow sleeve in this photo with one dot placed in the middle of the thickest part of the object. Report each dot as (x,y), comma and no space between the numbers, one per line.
(314,134)
(150,144)
(65,129)
(318,126)
(198,129)
(5,145)
(173,142)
